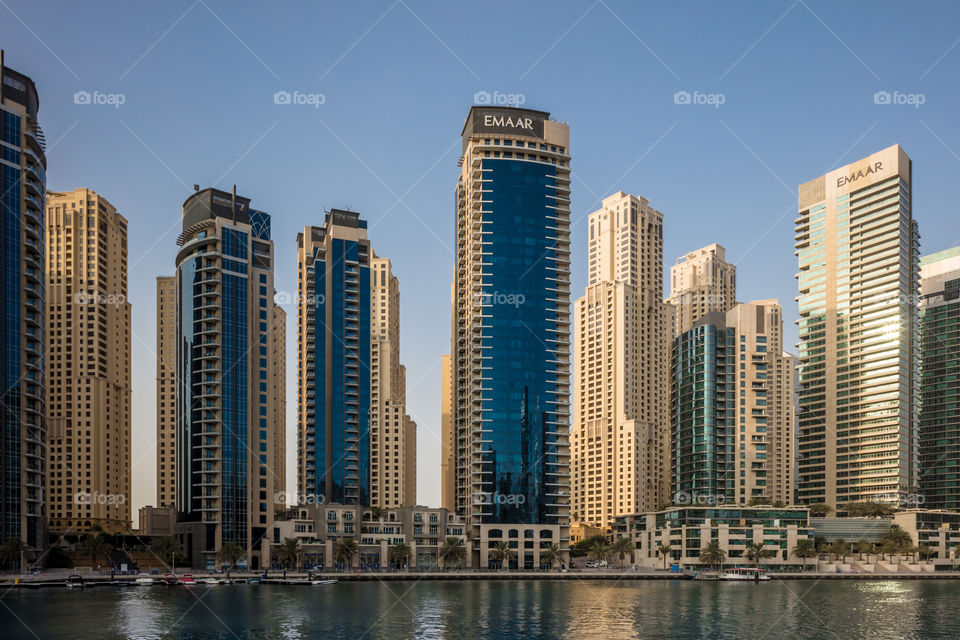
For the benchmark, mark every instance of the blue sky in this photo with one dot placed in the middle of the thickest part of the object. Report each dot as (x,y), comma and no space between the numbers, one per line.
(197,79)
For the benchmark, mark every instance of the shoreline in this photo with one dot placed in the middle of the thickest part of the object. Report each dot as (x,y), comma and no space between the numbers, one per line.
(300,579)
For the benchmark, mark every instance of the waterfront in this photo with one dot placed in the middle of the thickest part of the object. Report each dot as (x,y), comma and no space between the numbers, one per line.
(492,610)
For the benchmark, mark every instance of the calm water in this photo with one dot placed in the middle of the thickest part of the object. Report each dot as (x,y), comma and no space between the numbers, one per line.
(493,609)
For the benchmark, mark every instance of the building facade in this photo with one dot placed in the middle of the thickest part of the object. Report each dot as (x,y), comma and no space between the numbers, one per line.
(448,480)
(732,409)
(620,433)
(858,250)
(226,389)
(356,443)
(23,450)
(687,530)
(940,381)
(88,364)
(510,343)
(700,282)
(166,391)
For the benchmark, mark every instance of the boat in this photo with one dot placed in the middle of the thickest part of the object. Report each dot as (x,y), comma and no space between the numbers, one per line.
(706,575)
(188,581)
(75,581)
(745,575)
(210,581)
(170,579)
(328,581)
(253,580)
(143,579)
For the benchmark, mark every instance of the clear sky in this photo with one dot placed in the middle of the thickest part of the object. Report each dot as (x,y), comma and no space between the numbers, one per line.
(780,93)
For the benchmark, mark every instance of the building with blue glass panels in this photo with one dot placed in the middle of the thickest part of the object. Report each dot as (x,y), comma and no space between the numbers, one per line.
(22,297)
(228,387)
(510,360)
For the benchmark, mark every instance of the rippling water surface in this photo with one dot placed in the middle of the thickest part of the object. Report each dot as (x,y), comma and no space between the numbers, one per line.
(609,610)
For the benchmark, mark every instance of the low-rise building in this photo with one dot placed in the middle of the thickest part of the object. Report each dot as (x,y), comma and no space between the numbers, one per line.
(580,531)
(157,521)
(321,527)
(938,529)
(687,530)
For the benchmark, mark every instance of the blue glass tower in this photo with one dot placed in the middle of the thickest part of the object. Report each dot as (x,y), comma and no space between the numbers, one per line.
(334,317)
(226,385)
(511,328)
(22,395)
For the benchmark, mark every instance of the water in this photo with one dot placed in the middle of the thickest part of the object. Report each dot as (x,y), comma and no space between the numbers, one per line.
(571,609)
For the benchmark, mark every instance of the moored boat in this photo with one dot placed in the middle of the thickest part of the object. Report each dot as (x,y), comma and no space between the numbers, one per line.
(143,579)
(188,581)
(745,575)
(75,581)
(329,581)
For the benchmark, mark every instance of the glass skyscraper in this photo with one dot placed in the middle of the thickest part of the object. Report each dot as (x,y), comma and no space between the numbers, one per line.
(334,329)
(940,380)
(23,475)
(511,332)
(858,250)
(227,387)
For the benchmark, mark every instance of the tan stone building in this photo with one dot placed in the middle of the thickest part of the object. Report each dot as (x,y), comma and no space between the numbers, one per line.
(448,492)
(700,282)
(619,440)
(88,364)
(393,435)
(766,416)
(166,391)
(858,251)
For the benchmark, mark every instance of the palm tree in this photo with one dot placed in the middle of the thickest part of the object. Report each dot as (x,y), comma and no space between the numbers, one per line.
(804,549)
(346,550)
(925,551)
(167,547)
(956,552)
(888,548)
(622,547)
(841,548)
(713,555)
(451,550)
(290,553)
(399,553)
(599,550)
(899,537)
(230,553)
(501,554)
(551,555)
(756,551)
(664,550)
(12,550)
(96,546)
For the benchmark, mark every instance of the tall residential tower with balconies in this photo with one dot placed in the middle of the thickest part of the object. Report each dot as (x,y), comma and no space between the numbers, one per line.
(858,250)
(511,332)
(88,364)
(23,449)
(226,382)
(620,435)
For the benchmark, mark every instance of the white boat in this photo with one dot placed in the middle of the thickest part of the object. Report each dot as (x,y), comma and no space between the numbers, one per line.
(143,579)
(745,575)
(210,581)
(330,581)
(75,582)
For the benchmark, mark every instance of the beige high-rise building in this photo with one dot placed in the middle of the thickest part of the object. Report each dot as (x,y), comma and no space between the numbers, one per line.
(88,364)
(702,281)
(166,391)
(448,478)
(620,434)
(393,444)
(766,417)
(278,359)
(858,251)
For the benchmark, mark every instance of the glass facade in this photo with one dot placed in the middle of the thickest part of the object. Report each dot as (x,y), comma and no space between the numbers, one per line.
(518,345)
(341,436)
(940,399)
(703,414)
(22,302)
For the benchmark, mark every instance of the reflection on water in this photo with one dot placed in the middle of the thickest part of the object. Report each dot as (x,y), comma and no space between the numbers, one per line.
(452,610)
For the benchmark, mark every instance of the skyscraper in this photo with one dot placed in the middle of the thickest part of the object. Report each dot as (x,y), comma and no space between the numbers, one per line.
(620,435)
(356,443)
(166,391)
(23,452)
(732,408)
(448,479)
(940,381)
(700,282)
(858,250)
(88,364)
(227,390)
(511,332)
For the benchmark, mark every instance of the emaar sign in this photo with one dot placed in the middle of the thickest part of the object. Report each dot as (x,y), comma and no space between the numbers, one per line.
(508,121)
